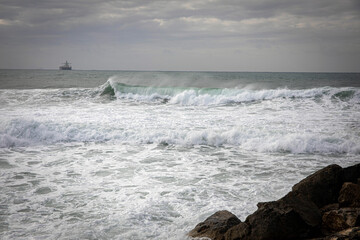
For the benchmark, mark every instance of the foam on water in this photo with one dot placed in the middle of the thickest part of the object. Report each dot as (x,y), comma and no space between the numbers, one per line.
(33,133)
(127,160)
(270,125)
(108,191)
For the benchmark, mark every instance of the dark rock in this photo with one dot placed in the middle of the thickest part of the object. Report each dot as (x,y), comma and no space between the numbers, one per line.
(349,195)
(329,207)
(307,210)
(314,209)
(215,226)
(341,219)
(275,224)
(348,234)
(351,216)
(333,222)
(292,217)
(323,186)
(352,174)
(238,232)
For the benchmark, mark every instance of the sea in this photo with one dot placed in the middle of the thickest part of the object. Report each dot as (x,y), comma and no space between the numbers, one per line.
(148,155)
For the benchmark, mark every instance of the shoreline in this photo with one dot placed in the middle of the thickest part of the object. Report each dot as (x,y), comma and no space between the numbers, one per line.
(324,205)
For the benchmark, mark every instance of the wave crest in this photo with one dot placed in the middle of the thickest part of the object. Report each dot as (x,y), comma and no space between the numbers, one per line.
(21,132)
(221,96)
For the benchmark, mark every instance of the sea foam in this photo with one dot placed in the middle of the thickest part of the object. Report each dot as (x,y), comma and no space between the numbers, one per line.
(268,120)
(21,132)
(135,157)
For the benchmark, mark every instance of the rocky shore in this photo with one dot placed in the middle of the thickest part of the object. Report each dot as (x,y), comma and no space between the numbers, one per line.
(323,206)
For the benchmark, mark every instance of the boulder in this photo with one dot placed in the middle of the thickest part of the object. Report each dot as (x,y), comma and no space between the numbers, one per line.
(320,207)
(349,195)
(323,186)
(352,173)
(238,232)
(292,217)
(215,226)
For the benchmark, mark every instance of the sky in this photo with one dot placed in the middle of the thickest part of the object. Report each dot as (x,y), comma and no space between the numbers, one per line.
(197,35)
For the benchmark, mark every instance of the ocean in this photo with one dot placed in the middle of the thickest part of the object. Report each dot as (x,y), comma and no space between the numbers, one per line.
(148,155)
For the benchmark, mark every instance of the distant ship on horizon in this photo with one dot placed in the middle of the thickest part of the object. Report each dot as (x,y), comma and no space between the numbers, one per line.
(65,66)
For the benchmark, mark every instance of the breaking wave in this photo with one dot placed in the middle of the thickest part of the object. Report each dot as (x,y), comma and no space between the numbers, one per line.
(220,96)
(187,96)
(123,123)
(21,133)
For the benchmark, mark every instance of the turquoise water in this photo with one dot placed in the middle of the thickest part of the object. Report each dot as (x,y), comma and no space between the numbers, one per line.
(148,155)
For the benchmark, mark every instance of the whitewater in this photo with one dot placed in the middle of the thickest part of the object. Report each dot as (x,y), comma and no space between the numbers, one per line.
(148,155)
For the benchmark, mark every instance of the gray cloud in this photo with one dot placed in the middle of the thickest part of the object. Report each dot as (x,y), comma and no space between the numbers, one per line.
(34,32)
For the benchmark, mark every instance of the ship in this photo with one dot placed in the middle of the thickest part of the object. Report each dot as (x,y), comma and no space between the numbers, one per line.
(65,66)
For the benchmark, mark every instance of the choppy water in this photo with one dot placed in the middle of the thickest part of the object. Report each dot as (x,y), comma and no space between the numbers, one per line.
(147,155)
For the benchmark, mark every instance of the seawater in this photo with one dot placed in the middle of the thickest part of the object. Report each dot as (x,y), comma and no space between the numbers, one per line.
(148,155)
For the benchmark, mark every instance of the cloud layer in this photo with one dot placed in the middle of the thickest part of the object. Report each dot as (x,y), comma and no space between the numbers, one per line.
(277,35)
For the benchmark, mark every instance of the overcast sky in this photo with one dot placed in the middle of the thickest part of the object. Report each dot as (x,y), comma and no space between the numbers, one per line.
(197,35)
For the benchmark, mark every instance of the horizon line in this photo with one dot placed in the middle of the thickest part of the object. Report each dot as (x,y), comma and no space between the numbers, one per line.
(214,71)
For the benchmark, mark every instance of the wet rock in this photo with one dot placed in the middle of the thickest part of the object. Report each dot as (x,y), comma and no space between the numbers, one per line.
(323,186)
(215,226)
(349,195)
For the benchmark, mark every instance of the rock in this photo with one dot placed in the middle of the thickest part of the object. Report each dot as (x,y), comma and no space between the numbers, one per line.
(292,217)
(238,232)
(352,174)
(215,226)
(275,223)
(307,210)
(323,186)
(349,195)
(320,207)
(348,234)
(333,222)
(341,219)
(329,207)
